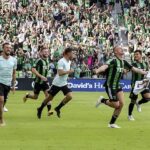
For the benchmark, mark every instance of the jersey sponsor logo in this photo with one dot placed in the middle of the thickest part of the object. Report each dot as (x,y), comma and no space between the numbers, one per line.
(120,69)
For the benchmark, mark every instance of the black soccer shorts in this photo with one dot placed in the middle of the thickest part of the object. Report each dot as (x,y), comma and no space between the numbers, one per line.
(55,89)
(41,87)
(112,93)
(4,90)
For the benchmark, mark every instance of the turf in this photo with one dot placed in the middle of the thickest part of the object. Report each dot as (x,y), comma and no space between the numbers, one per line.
(82,127)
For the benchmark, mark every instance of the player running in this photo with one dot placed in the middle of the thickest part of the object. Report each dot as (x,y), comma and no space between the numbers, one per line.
(114,69)
(40,69)
(8,65)
(139,63)
(60,83)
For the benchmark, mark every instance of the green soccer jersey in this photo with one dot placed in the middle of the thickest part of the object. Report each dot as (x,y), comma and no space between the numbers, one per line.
(136,76)
(42,66)
(115,71)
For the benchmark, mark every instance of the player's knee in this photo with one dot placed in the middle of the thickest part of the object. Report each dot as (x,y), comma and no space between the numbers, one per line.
(117,105)
(69,97)
(35,97)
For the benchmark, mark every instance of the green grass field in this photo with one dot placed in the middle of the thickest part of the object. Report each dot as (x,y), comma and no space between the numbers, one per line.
(82,127)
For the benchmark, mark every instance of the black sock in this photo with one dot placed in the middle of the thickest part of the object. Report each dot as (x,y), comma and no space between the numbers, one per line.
(27,96)
(5,102)
(42,106)
(104,100)
(142,101)
(131,106)
(113,119)
(60,105)
(49,107)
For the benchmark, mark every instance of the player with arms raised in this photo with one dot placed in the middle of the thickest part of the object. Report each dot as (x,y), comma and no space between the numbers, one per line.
(114,69)
(60,83)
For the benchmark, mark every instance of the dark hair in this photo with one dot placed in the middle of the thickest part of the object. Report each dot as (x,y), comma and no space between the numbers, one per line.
(138,51)
(6,43)
(68,50)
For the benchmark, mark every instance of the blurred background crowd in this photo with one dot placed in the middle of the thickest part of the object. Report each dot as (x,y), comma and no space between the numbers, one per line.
(93,27)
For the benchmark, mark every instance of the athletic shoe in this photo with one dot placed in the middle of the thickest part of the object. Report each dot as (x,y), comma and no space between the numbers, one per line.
(50,113)
(99,101)
(131,118)
(39,113)
(25,97)
(57,112)
(138,107)
(5,109)
(113,126)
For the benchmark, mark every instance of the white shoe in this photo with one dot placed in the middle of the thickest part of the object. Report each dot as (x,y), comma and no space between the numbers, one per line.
(25,97)
(5,109)
(138,107)
(131,118)
(113,126)
(99,101)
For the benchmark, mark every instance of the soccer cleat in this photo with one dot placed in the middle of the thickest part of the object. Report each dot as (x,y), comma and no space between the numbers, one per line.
(25,97)
(50,113)
(39,113)
(131,118)
(138,107)
(57,112)
(5,109)
(99,101)
(113,126)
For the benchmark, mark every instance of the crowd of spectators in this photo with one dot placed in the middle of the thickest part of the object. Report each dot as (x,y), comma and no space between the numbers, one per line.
(31,24)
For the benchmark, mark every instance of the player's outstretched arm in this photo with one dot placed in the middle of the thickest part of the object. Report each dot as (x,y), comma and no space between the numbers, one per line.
(101,69)
(62,72)
(140,71)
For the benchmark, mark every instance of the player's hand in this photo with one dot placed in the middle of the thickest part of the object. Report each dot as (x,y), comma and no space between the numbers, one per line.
(13,90)
(95,71)
(43,78)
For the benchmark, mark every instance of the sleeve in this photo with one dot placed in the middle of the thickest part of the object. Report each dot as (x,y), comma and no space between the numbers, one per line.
(127,65)
(109,62)
(60,65)
(15,64)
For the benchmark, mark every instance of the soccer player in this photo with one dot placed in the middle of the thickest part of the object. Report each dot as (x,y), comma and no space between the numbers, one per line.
(139,63)
(40,69)
(114,69)
(8,65)
(60,83)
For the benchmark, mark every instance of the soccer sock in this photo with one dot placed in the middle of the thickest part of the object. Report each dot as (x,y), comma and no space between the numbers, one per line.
(42,106)
(27,96)
(49,107)
(113,119)
(142,101)
(131,106)
(60,105)
(5,101)
(104,100)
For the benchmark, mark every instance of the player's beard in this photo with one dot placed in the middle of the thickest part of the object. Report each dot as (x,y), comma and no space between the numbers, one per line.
(7,53)
(45,56)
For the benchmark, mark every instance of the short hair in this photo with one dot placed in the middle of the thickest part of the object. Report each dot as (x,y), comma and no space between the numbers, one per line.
(138,51)
(68,50)
(117,46)
(6,43)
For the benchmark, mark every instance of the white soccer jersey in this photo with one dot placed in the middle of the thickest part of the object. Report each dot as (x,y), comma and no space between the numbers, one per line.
(60,81)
